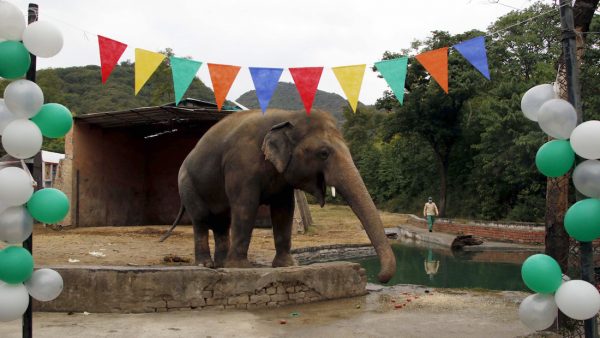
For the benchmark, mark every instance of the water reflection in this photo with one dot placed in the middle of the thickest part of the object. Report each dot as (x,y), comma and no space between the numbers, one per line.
(439,267)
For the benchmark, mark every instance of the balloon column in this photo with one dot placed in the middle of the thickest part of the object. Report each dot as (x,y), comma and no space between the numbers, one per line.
(577,299)
(24,119)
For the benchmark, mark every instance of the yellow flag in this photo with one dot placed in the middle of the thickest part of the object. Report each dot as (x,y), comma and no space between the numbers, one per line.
(350,78)
(146,63)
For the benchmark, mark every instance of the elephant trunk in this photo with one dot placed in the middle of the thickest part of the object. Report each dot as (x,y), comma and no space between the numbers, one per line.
(346,179)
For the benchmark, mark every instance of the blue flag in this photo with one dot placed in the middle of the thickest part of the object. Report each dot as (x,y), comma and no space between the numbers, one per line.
(474,51)
(265,82)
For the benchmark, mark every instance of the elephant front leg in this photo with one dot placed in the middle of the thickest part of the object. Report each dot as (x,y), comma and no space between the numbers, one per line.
(243,216)
(201,247)
(282,217)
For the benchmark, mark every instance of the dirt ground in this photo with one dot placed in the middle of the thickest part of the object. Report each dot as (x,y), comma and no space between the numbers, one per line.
(138,245)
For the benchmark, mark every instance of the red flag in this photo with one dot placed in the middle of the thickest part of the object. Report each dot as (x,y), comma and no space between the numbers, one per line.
(110,52)
(307,80)
(436,63)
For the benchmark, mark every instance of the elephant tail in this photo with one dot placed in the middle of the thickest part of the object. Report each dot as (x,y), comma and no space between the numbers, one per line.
(177,219)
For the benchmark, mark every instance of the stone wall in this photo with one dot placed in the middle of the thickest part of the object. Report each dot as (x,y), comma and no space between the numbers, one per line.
(327,253)
(159,289)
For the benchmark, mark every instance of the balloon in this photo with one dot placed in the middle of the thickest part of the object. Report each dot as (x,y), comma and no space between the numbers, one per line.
(45,285)
(12,22)
(538,311)
(15,300)
(17,265)
(14,59)
(582,220)
(48,205)
(43,39)
(578,299)
(586,178)
(534,98)
(15,225)
(541,273)
(54,120)
(6,116)
(23,98)
(555,158)
(15,186)
(585,140)
(22,139)
(557,118)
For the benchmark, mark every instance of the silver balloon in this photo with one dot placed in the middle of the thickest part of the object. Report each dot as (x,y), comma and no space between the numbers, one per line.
(534,98)
(6,116)
(44,285)
(538,311)
(16,224)
(557,118)
(14,301)
(23,98)
(586,178)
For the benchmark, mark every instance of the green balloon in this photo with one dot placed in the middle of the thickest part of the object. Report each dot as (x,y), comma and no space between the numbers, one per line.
(16,265)
(555,158)
(541,273)
(54,120)
(14,59)
(582,220)
(48,205)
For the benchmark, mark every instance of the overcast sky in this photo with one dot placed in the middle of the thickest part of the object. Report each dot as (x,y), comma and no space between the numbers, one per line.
(263,33)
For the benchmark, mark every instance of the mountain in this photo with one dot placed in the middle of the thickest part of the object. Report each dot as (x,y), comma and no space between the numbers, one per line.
(286,97)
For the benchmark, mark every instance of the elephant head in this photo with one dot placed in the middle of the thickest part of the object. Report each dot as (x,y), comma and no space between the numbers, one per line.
(310,152)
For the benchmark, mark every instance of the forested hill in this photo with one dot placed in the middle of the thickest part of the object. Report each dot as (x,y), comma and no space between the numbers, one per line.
(286,97)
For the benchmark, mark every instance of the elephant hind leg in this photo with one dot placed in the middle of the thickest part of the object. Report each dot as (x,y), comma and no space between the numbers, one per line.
(201,246)
(221,234)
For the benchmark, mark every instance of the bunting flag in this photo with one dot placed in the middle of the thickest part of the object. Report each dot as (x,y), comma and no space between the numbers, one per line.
(307,80)
(146,63)
(350,78)
(110,53)
(474,51)
(394,73)
(265,82)
(222,77)
(436,63)
(184,71)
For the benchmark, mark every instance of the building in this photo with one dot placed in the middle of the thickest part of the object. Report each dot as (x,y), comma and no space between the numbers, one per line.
(50,162)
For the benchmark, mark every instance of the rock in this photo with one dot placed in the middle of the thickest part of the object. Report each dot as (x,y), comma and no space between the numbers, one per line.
(465,240)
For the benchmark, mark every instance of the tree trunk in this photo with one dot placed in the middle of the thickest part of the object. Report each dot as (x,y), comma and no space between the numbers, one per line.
(442,161)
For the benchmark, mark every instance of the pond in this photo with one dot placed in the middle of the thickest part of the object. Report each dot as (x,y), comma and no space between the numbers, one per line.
(439,267)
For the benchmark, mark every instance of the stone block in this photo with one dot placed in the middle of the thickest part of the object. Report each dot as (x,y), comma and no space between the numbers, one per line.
(272,290)
(280,290)
(297,295)
(215,301)
(279,297)
(243,299)
(259,299)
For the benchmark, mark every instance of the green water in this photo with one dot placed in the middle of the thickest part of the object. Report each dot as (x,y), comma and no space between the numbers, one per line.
(453,271)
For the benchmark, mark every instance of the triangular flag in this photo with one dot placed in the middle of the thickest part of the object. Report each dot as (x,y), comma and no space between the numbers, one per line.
(350,78)
(265,82)
(110,53)
(146,63)
(184,71)
(474,51)
(307,80)
(436,63)
(222,77)
(394,72)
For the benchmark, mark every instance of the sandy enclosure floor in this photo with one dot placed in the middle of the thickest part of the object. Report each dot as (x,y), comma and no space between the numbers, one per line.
(138,245)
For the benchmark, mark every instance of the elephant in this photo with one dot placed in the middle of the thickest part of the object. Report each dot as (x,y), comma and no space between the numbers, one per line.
(250,159)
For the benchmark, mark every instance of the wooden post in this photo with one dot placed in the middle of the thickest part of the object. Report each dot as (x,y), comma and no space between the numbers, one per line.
(303,210)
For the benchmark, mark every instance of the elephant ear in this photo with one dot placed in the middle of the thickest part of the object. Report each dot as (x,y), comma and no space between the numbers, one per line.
(277,145)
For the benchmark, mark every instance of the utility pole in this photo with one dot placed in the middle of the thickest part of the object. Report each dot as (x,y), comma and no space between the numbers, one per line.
(574,93)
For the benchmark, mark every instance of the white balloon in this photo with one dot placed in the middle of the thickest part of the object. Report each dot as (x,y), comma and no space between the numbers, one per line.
(15,300)
(15,186)
(22,139)
(585,140)
(586,178)
(23,98)
(12,22)
(557,118)
(6,116)
(43,39)
(534,98)
(45,285)
(16,224)
(538,311)
(578,299)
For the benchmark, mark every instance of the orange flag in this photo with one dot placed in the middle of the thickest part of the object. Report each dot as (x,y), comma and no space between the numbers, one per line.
(436,63)
(222,77)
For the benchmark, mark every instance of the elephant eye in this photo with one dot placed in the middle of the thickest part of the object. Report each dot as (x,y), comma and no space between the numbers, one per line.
(323,154)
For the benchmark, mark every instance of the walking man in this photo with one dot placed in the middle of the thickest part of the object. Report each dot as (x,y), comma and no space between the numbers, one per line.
(430,211)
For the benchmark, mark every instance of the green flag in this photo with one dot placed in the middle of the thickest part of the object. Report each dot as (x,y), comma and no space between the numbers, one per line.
(184,71)
(394,72)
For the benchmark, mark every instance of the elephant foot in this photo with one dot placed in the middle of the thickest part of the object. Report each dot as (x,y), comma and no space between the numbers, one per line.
(238,263)
(205,262)
(283,260)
